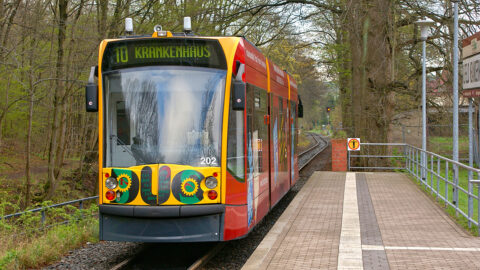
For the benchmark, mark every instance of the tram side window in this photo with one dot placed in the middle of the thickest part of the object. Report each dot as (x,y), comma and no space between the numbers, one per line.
(123,124)
(295,126)
(257,130)
(235,149)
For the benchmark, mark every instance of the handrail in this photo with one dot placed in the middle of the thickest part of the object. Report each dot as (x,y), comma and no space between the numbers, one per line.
(42,209)
(446,159)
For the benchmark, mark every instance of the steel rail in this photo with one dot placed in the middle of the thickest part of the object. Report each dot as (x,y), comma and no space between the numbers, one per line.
(205,258)
(311,149)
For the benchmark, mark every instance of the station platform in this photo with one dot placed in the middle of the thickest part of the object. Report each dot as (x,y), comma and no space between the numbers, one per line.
(364,221)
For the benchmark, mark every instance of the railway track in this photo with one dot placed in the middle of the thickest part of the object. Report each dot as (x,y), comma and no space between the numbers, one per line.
(194,256)
(308,155)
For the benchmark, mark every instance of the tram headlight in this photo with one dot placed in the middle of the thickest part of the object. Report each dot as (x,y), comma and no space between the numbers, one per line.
(211,182)
(111,183)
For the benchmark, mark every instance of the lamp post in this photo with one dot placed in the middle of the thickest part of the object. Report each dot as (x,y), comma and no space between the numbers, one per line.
(424,26)
(455,98)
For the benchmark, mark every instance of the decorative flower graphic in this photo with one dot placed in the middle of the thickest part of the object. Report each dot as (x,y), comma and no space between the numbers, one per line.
(189,187)
(124,182)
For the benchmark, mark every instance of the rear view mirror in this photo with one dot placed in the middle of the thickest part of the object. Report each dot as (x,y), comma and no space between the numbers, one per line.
(91,92)
(91,97)
(300,108)
(238,96)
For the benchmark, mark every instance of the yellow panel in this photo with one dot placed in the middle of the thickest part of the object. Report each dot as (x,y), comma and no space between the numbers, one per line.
(229,46)
(169,34)
(268,76)
(103,44)
(175,169)
(288,82)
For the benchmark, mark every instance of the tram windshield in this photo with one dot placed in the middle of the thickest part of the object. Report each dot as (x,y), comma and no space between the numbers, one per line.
(163,115)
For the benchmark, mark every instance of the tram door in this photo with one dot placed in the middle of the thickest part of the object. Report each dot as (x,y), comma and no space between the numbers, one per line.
(257,149)
(120,133)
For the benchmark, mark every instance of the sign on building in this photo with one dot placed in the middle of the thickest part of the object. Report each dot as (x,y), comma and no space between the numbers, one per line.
(471,66)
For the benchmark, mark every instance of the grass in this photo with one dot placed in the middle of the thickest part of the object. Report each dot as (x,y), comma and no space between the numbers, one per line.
(320,130)
(444,145)
(303,141)
(26,244)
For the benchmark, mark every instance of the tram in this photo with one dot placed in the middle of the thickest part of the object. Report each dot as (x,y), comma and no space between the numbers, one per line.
(197,136)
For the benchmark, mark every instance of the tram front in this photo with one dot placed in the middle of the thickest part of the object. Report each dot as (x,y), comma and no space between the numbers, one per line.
(161,106)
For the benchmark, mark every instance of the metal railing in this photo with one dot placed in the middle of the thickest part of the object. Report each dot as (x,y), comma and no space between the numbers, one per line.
(42,210)
(449,181)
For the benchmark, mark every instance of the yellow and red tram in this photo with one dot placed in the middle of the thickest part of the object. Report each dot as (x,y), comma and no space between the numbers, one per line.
(197,137)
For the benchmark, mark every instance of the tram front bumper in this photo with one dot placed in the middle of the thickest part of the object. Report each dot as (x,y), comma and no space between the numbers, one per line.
(189,223)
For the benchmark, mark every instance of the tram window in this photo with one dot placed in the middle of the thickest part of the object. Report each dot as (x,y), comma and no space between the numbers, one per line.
(259,130)
(123,124)
(295,124)
(235,149)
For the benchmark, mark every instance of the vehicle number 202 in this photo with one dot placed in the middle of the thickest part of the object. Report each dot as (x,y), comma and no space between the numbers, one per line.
(208,161)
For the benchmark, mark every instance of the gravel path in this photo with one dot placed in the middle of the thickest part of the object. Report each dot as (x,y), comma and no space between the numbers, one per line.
(106,254)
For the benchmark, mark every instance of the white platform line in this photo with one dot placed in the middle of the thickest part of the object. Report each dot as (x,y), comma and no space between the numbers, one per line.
(378,247)
(350,248)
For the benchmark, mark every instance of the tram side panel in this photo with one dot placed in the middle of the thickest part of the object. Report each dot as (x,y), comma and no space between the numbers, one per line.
(256,134)
(247,199)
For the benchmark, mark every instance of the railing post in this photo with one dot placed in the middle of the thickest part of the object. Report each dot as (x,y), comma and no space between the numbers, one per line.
(416,165)
(470,160)
(446,183)
(43,217)
(438,176)
(478,206)
(406,156)
(348,160)
(410,159)
(431,174)
(455,191)
(81,208)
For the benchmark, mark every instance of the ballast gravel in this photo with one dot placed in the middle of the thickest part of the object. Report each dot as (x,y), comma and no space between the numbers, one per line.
(102,255)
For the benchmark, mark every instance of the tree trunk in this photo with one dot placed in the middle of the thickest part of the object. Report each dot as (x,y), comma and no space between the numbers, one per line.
(29,146)
(55,149)
(370,32)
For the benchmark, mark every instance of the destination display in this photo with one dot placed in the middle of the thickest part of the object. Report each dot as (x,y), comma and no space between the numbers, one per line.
(146,52)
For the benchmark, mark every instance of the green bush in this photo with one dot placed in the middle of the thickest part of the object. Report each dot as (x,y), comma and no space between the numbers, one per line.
(27,242)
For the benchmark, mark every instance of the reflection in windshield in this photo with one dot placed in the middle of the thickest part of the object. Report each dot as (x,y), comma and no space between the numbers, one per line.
(164,115)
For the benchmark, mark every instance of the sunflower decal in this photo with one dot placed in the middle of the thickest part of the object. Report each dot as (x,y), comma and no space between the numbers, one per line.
(186,187)
(124,182)
(189,187)
(128,185)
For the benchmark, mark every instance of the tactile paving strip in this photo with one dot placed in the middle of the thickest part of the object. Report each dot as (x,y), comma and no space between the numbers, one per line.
(369,229)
